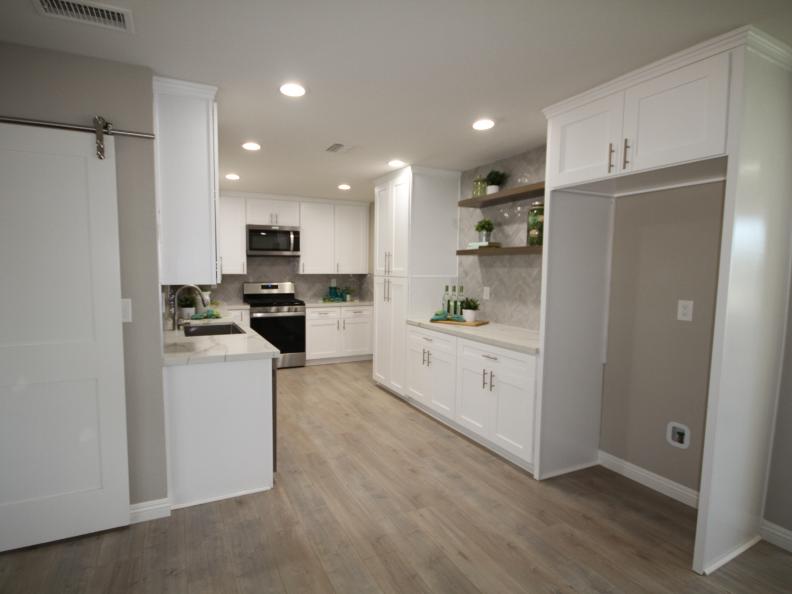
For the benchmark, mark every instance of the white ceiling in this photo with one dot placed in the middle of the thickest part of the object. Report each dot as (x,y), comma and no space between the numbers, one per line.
(392,79)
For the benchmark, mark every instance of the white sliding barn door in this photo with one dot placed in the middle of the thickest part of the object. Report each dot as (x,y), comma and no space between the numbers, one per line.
(63,448)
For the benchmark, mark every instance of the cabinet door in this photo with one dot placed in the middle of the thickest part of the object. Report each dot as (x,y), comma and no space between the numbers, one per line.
(351,239)
(382,318)
(231,231)
(266,211)
(322,333)
(400,192)
(316,239)
(397,302)
(475,404)
(287,213)
(383,228)
(513,384)
(583,143)
(442,373)
(418,384)
(186,172)
(680,116)
(356,336)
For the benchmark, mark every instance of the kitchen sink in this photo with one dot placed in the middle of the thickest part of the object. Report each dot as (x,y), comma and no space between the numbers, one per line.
(212,330)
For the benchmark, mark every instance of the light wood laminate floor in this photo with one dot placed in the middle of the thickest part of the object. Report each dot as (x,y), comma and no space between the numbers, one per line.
(373,496)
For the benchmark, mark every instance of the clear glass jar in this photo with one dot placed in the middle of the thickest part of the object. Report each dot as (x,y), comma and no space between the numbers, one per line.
(479,187)
(536,223)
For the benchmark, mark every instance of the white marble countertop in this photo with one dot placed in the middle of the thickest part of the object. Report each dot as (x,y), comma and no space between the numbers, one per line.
(339,304)
(187,350)
(500,335)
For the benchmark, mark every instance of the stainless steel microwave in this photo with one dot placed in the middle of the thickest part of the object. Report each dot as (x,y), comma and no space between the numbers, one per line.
(273,240)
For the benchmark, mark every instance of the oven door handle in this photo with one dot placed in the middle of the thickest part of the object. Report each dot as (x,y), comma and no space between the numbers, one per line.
(279,314)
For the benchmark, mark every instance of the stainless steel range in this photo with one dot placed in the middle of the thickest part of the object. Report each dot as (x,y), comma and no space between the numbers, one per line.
(280,318)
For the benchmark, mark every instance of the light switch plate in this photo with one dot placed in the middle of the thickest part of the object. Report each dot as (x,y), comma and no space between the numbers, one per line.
(486,293)
(126,310)
(684,310)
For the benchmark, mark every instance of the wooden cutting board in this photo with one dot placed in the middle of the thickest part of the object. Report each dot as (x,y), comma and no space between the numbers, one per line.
(453,323)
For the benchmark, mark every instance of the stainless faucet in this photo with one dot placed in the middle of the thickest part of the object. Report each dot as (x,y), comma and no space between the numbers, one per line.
(175,301)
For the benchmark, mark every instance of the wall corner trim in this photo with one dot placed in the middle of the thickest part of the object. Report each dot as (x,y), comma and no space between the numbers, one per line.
(649,479)
(777,535)
(149,510)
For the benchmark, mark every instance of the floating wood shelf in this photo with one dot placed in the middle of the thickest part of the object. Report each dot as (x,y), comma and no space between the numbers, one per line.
(511,195)
(502,251)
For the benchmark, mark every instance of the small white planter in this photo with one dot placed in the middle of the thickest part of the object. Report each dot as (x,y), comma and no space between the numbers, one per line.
(186,313)
(493,189)
(469,314)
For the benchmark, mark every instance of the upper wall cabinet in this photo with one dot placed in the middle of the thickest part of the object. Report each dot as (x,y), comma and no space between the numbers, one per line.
(677,117)
(264,211)
(334,238)
(185,125)
(231,235)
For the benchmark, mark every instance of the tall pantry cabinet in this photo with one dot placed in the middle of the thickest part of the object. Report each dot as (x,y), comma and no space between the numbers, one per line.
(415,241)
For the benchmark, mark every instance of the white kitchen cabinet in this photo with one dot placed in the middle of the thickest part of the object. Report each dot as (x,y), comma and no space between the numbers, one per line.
(322,328)
(231,235)
(677,117)
(351,239)
(185,123)
(356,331)
(390,314)
(266,211)
(431,370)
(392,208)
(584,143)
(337,332)
(668,119)
(495,396)
(317,238)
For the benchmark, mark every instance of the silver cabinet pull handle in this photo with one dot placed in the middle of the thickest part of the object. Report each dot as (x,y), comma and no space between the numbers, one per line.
(483,378)
(490,357)
(428,358)
(492,376)
(338,324)
(611,150)
(344,324)
(625,162)
(423,357)
(427,339)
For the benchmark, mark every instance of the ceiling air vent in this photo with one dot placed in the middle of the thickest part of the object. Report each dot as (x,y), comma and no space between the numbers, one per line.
(90,13)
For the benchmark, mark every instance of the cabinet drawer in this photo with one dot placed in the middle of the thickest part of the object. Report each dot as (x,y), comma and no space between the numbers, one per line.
(323,313)
(493,355)
(356,312)
(437,341)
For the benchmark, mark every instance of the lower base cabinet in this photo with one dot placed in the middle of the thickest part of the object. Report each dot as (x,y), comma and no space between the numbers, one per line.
(332,332)
(488,391)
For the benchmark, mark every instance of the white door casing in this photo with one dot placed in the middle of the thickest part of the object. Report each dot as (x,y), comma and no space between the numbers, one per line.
(63,448)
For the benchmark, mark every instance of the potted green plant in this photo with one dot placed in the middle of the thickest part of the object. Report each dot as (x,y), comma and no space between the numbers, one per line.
(495,179)
(470,309)
(186,307)
(485,228)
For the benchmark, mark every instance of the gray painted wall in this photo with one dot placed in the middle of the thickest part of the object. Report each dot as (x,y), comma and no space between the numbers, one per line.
(515,281)
(665,248)
(68,88)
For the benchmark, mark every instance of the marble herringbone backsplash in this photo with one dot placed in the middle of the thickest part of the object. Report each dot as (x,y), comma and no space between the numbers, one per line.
(515,281)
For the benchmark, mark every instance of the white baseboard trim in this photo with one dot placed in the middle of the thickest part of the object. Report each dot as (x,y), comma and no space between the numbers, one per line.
(331,360)
(777,535)
(731,555)
(149,510)
(220,497)
(649,479)
(574,468)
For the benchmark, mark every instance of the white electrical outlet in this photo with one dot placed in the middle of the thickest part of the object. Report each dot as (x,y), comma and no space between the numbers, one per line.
(678,435)
(126,310)
(485,293)
(684,310)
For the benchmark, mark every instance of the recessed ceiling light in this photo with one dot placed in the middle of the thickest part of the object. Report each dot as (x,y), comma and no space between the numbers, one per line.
(483,124)
(251,146)
(292,89)
(232,176)
(396,163)
(344,187)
